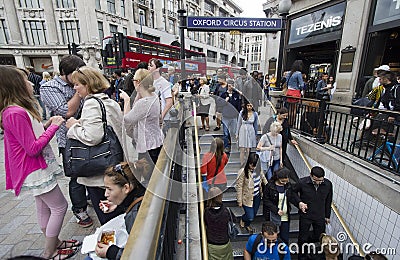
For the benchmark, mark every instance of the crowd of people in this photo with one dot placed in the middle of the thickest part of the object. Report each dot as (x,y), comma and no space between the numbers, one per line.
(136,104)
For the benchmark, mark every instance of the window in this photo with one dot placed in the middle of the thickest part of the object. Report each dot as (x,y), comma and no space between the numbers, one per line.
(65,3)
(211,56)
(29,3)
(255,67)
(142,17)
(125,30)
(101,30)
(164,23)
(35,32)
(123,8)
(171,26)
(224,58)
(4,37)
(111,6)
(171,5)
(151,20)
(113,28)
(222,43)
(98,5)
(208,7)
(70,31)
(210,39)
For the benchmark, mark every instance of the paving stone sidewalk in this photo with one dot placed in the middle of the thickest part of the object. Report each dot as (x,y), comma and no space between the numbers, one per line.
(19,232)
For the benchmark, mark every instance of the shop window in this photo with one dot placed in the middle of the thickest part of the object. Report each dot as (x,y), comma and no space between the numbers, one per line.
(35,32)
(70,31)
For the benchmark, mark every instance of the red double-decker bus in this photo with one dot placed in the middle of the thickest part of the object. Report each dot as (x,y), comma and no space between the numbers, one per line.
(138,50)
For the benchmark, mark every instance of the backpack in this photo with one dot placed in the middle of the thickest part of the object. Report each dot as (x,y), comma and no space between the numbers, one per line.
(258,240)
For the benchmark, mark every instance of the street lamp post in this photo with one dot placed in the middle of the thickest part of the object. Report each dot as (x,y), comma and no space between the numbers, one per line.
(283,10)
(182,27)
(141,23)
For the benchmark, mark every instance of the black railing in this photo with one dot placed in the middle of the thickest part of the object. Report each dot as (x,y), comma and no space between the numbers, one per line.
(372,135)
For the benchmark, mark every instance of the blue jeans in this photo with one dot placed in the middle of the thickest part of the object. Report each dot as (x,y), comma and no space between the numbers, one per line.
(229,126)
(274,167)
(251,212)
(284,231)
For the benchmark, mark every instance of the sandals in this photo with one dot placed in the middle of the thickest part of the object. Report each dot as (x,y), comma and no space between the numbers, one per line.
(69,244)
(201,128)
(250,229)
(207,128)
(64,254)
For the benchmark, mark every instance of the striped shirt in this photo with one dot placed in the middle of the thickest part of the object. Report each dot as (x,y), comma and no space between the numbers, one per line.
(257,180)
(55,94)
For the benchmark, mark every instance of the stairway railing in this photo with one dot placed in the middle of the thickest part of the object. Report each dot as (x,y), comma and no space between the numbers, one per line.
(200,190)
(335,210)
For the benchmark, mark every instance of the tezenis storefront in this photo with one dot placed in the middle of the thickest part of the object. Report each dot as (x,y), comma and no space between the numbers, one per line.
(314,37)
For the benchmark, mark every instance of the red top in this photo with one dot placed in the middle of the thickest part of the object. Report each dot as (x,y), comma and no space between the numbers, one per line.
(208,165)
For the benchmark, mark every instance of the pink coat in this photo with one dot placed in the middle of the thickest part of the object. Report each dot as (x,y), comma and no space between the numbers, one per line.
(22,150)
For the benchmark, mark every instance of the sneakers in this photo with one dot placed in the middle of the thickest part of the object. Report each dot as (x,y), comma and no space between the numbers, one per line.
(83,219)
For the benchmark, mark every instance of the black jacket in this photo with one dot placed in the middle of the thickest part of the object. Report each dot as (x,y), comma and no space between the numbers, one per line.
(271,199)
(216,221)
(318,201)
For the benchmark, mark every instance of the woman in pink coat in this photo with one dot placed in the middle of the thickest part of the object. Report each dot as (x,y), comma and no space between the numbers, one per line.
(30,163)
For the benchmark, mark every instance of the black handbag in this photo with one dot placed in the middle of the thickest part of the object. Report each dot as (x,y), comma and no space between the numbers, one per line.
(87,161)
(233,230)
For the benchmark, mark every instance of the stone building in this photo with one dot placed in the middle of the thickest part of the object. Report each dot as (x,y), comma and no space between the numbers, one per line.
(37,32)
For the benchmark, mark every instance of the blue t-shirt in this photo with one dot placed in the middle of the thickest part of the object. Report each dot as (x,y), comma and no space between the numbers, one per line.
(266,253)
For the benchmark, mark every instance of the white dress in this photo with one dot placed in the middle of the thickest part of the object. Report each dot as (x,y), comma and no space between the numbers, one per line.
(43,180)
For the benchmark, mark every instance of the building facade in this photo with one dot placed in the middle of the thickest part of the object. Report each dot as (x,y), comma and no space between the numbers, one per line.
(37,32)
(347,39)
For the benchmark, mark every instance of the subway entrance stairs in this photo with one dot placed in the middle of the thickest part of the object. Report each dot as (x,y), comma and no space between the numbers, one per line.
(229,196)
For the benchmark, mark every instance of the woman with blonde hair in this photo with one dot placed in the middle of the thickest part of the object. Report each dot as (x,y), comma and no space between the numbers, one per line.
(216,218)
(330,248)
(30,164)
(142,122)
(270,147)
(90,85)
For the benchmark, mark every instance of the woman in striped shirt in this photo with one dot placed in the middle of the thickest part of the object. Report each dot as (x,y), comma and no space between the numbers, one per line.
(248,190)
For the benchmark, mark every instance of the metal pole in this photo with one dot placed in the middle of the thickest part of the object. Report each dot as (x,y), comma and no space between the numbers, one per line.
(182,27)
(281,48)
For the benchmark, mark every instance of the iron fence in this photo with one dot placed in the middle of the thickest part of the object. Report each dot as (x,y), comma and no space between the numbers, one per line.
(367,133)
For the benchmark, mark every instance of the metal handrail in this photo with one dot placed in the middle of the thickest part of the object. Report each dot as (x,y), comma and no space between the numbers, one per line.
(200,189)
(335,209)
(333,206)
(145,233)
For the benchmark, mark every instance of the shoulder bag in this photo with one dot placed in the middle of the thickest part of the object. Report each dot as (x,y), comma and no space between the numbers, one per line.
(233,230)
(87,161)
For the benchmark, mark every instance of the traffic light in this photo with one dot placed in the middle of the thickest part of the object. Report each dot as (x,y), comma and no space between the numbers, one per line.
(75,48)
(122,45)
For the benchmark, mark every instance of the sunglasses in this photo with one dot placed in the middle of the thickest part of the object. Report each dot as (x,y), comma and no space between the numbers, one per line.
(118,168)
(79,71)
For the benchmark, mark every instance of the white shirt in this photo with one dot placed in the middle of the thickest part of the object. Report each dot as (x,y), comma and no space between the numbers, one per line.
(163,91)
